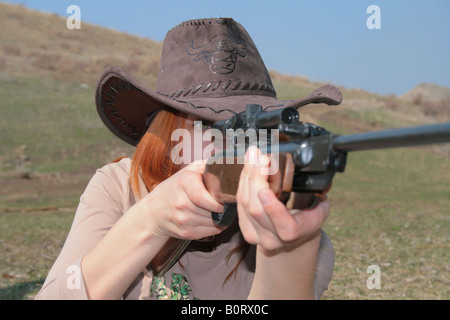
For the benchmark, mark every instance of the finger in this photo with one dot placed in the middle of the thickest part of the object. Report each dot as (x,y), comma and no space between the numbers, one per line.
(246,222)
(242,198)
(197,232)
(255,225)
(258,179)
(189,224)
(311,220)
(251,159)
(202,217)
(244,192)
(284,224)
(258,174)
(197,166)
(254,158)
(246,226)
(192,185)
(253,178)
(275,178)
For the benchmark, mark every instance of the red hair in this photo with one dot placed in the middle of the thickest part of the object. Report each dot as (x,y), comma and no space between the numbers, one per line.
(151,159)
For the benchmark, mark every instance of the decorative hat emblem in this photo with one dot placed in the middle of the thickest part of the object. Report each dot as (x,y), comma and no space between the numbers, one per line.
(221,52)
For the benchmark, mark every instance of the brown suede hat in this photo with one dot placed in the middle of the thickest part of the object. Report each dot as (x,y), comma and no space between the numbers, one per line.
(209,68)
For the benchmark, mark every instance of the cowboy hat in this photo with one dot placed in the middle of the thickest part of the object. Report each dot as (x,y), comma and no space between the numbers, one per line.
(209,68)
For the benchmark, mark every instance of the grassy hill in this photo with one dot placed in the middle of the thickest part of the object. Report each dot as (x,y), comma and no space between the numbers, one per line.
(428,92)
(390,207)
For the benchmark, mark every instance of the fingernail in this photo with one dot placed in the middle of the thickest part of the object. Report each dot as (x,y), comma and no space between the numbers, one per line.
(251,155)
(263,160)
(264,197)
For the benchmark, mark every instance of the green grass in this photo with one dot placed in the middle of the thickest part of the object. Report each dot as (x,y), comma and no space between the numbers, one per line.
(53,125)
(30,243)
(390,209)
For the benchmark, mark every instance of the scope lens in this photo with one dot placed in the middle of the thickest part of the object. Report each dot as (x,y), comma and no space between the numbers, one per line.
(289,115)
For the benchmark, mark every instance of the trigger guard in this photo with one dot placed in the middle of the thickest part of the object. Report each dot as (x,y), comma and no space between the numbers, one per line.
(227,217)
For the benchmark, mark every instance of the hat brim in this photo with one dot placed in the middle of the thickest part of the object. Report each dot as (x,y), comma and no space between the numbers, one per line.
(124,104)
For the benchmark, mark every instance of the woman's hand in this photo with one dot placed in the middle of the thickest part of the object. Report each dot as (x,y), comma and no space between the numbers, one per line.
(266,221)
(181,207)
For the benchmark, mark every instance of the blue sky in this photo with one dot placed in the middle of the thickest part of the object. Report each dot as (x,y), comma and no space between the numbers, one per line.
(324,40)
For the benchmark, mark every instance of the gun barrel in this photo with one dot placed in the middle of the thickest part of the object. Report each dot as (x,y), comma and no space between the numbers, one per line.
(403,137)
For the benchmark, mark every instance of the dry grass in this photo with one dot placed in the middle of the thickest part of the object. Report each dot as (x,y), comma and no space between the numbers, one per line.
(39,43)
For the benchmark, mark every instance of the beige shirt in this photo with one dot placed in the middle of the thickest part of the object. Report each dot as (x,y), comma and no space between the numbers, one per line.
(197,275)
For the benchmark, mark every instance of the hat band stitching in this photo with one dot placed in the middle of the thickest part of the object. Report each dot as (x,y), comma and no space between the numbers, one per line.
(238,85)
(281,104)
(204,107)
(200,22)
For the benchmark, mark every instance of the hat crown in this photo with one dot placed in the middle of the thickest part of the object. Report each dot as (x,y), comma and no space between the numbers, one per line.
(211,57)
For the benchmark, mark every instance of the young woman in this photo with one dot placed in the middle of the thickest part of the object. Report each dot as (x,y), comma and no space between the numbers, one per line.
(143,228)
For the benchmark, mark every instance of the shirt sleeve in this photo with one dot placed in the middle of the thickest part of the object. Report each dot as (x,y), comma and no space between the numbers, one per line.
(99,209)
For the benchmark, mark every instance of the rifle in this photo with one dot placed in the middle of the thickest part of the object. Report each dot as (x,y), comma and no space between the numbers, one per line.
(307,161)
